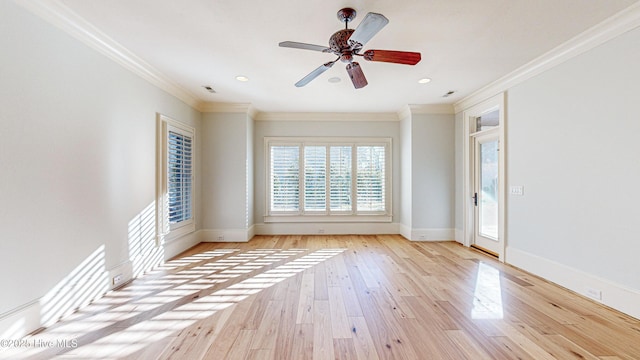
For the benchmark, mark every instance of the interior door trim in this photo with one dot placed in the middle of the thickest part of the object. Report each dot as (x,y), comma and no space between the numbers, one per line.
(468,118)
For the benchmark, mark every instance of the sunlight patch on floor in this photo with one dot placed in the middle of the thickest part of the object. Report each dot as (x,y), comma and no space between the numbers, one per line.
(149,309)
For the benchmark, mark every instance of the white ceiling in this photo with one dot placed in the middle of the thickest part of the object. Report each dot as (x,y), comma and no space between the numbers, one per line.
(465,44)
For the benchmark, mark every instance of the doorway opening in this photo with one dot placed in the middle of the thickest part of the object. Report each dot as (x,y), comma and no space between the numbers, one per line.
(484,179)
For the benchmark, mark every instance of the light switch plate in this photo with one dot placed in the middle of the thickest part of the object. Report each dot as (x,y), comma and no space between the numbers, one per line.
(517,190)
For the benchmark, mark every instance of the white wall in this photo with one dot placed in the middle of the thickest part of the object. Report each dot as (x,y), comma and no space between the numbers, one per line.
(405,175)
(573,144)
(225,162)
(250,164)
(433,174)
(459,175)
(77,153)
(427,176)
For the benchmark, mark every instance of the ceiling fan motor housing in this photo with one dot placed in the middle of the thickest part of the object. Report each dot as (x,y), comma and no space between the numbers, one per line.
(339,45)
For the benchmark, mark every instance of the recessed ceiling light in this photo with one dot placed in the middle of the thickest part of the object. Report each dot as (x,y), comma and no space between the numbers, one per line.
(424,81)
(242,78)
(334,80)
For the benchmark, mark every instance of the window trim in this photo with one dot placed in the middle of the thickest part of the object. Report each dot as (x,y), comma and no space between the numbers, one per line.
(327,215)
(164,230)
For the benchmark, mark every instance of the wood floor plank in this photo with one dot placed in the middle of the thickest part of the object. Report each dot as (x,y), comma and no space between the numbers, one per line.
(556,345)
(241,346)
(343,349)
(467,345)
(303,342)
(260,354)
(365,349)
(197,338)
(524,342)
(265,336)
(320,283)
(340,297)
(304,314)
(288,315)
(322,335)
(340,326)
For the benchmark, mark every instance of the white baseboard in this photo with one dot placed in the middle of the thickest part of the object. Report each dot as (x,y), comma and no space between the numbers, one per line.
(459,236)
(432,234)
(326,228)
(405,231)
(176,246)
(124,270)
(226,235)
(21,321)
(614,295)
(251,232)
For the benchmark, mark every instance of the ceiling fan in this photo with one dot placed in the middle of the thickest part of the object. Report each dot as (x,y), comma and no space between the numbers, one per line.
(348,43)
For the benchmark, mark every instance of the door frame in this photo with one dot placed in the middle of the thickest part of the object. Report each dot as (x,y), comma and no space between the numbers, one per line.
(483,242)
(468,118)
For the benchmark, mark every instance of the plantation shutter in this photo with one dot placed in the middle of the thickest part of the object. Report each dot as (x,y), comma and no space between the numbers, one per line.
(285,178)
(370,182)
(340,175)
(179,177)
(315,178)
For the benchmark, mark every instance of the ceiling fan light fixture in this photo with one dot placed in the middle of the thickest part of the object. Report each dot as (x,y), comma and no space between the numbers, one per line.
(242,78)
(424,81)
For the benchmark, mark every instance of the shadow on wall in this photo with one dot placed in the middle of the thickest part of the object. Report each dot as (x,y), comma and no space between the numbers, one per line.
(89,280)
(144,253)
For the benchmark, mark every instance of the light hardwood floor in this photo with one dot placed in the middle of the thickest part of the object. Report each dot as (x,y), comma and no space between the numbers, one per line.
(341,297)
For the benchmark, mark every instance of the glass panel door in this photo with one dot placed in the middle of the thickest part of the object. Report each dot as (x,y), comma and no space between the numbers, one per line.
(486,192)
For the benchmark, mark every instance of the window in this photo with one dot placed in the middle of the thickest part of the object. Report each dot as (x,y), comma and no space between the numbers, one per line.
(328,179)
(370,180)
(285,179)
(315,175)
(179,176)
(175,171)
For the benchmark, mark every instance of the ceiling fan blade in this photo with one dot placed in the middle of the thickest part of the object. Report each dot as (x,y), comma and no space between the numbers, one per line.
(314,74)
(299,45)
(392,56)
(368,27)
(356,75)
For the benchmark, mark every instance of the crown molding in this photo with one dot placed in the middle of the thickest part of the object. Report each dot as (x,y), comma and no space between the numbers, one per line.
(60,16)
(446,109)
(616,25)
(328,116)
(220,107)
(253,112)
(404,113)
(437,109)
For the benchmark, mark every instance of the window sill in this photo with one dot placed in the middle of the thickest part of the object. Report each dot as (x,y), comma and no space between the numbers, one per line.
(326,218)
(180,232)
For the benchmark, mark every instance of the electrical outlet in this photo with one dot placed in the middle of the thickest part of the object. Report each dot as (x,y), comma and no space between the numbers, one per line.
(594,293)
(220,237)
(117,279)
(320,231)
(423,237)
